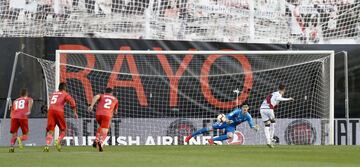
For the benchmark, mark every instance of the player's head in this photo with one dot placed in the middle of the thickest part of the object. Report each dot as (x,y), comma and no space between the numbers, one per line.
(245,108)
(62,86)
(23,92)
(108,90)
(281,88)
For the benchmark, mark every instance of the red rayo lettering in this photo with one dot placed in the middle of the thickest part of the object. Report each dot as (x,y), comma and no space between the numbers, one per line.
(79,75)
(136,80)
(205,87)
(174,79)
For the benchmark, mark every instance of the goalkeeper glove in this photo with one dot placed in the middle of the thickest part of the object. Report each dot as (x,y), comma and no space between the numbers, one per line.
(256,128)
(229,121)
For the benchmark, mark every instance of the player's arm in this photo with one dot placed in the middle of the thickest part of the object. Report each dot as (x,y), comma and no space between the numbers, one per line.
(72,103)
(280,98)
(31,102)
(284,99)
(251,123)
(11,107)
(94,100)
(116,107)
(231,115)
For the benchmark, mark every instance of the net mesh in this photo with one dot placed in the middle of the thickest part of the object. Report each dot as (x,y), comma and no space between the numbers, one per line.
(174,95)
(310,21)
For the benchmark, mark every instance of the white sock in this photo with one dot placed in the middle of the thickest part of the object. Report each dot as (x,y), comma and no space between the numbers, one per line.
(267,134)
(272,130)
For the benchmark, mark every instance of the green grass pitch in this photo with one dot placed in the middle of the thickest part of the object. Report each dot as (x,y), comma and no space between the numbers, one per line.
(185,156)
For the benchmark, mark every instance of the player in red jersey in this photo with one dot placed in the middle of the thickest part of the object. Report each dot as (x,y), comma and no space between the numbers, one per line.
(20,109)
(56,115)
(107,106)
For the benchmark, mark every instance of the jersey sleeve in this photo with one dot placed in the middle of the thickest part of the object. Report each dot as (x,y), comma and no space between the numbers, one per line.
(31,102)
(71,101)
(250,120)
(12,106)
(233,114)
(280,98)
(116,106)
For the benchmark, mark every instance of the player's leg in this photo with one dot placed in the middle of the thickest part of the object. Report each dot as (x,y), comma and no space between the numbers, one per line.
(24,125)
(216,125)
(12,142)
(196,133)
(103,135)
(105,125)
(13,130)
(98,131)
(265,116)
(97,136)
(268,133)
(272,125)
(50,130)
(272,129)
(229,133)
(60,121)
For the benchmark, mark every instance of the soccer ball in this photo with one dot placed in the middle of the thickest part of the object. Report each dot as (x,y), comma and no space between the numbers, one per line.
(221,118)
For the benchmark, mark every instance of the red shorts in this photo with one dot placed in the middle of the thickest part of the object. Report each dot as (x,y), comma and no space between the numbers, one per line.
(104,121)
(22,123)
(56,118)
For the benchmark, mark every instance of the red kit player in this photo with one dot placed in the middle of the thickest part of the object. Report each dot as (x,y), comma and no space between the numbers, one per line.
(56,115)
(107,105)
(20,110)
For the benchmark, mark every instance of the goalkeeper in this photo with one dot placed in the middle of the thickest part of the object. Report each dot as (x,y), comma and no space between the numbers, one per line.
(229,123)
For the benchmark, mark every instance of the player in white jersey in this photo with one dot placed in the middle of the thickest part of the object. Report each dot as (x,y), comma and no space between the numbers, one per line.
(267,112)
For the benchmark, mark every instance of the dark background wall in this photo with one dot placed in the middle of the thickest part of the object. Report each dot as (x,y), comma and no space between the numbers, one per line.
(28,71)
(45,47)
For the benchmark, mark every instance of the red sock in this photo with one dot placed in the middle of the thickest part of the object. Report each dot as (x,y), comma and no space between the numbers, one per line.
(103,137)
(13,140)
(98,134)
(61,136)
(24,137)
(49,139)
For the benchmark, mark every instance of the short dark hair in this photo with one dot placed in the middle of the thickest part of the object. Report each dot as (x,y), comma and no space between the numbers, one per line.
(245,105)
(23,92)
(62,86)
(108,90)
(281,87)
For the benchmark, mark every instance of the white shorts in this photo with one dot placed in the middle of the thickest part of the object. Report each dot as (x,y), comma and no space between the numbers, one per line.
(267,114)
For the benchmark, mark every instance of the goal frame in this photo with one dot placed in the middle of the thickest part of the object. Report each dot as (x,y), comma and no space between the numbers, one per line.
(331,53)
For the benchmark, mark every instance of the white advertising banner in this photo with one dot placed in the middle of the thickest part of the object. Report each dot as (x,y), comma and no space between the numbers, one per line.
(158,131)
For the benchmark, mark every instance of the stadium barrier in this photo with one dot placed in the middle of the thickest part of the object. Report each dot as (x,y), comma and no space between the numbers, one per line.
(288,131)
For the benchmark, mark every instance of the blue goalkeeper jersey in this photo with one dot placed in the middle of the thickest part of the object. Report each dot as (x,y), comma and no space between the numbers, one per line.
(236,117)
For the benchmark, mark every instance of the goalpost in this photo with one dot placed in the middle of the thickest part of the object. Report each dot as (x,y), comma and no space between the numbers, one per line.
(173,93)
(21,79)
(165,95)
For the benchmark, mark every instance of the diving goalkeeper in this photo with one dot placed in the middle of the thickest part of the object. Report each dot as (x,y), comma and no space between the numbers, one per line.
(229,123)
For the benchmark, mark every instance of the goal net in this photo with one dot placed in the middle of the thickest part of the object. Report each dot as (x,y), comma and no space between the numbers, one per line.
(166,95)
(201,20)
